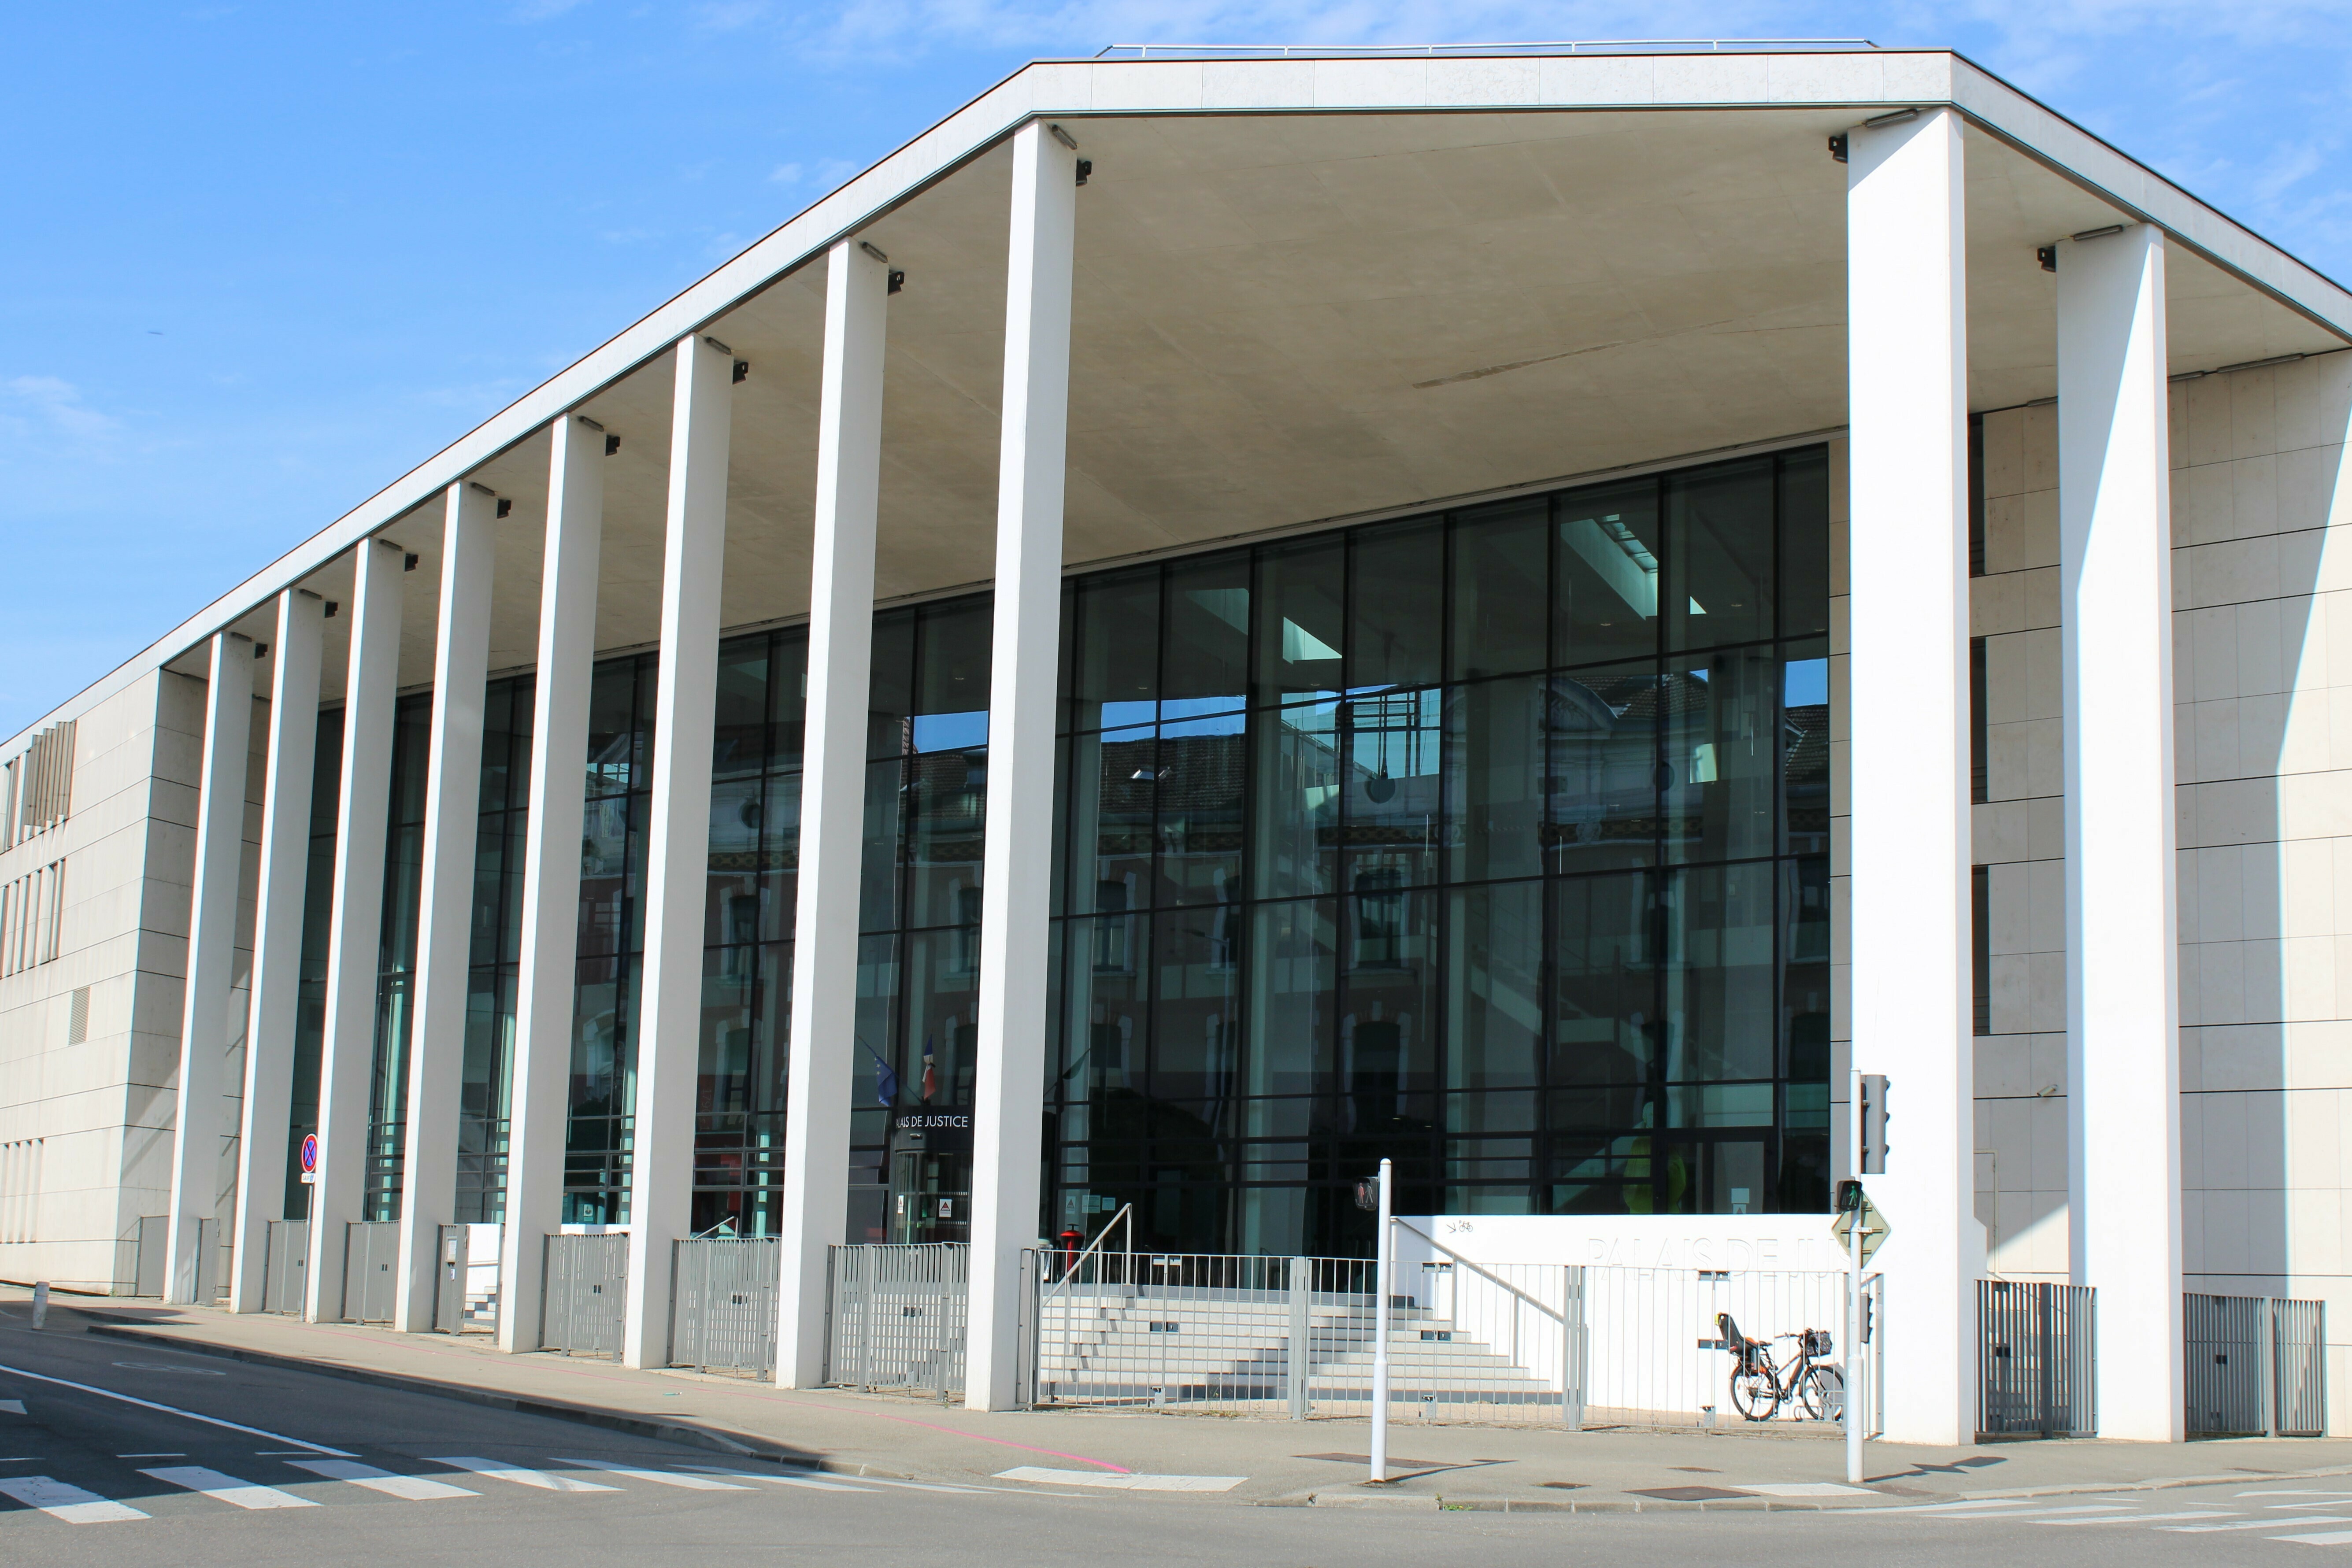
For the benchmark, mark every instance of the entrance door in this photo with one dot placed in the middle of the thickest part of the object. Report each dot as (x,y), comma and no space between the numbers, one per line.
(930,1196)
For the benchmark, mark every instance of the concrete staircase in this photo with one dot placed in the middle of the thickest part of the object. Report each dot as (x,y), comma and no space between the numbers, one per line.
(1117,1344)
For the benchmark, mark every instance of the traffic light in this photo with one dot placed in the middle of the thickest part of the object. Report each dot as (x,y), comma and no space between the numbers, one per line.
(1873,1125)
(1849,1196)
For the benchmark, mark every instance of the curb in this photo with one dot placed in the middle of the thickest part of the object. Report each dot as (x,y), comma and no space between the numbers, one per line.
(738,1445)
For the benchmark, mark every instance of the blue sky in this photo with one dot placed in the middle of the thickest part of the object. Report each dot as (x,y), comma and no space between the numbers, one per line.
(261,260)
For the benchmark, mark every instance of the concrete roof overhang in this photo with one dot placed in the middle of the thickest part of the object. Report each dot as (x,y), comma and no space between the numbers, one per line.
(1316,288)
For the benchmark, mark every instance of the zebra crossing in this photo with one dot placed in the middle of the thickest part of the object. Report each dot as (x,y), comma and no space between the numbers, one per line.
(2301,1516)
(263,1484)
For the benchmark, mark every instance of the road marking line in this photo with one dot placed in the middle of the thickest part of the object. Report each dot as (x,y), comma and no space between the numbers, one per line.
(176,1410)
(2133,1518)
(227,1488)
(70,1503)
(2261,1524)
(1801,1489)
(812,1482)
(1119,1483)
(1947,1508)
(518,1474)
(12,1407)
(2077,1508)
(151,1456)
(415,1489)
(2325,1537)
(693,1483)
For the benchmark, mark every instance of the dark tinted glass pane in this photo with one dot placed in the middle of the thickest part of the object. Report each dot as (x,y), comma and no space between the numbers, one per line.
(1499,601)
(1203,764)
(1719,923)
(892,694)
(1719,534)
(1205,667)
(1295,796)
(1299,627)
(1114,790)
(497,723)
(1805,748)
(1604,956)
(1495,779)
(943,982)
(947,799)
(875,1078)
(739,735)
(1106,980)
(779,857)
(951,655)
(1720,755)
(1392,806)
(1397,604)
(1805,543)
(787,698)
(1494,947)
(1388,1036)
(731,901)
(1605,593)
(1196,1004)
(1114,678)
(1805,982)
(1292,1007)
(877,899)
(1601,767)
(612,703)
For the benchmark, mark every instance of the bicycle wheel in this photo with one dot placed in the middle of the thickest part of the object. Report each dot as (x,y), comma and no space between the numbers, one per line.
(1820,1394)
(1755,1390)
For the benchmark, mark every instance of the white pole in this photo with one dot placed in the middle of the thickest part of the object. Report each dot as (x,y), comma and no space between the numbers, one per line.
(1853,1359)
(1382,1283)
(40,1304)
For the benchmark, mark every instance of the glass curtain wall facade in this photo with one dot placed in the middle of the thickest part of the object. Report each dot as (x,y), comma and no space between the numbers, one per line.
(1492,841)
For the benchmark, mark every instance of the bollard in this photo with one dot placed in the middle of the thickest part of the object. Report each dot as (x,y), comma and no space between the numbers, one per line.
(40,1302)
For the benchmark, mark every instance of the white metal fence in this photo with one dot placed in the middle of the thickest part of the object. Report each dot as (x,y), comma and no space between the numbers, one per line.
(895,1317)
(725,1311)
(1469,1341)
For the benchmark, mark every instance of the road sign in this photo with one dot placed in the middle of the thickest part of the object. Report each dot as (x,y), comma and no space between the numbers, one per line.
(311,1158)
(1875,1232)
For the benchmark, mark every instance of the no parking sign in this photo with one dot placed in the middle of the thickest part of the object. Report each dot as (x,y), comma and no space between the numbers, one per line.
(310,1158)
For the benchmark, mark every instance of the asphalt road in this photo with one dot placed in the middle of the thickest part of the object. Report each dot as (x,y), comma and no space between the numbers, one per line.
(193,1462)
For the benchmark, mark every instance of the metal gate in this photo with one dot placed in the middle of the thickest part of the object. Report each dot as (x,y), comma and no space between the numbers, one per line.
(371,1273)
(286,1262)
(897,1316)
(725,1288)
(2253,1366)
(585,1309)
(2037,1354)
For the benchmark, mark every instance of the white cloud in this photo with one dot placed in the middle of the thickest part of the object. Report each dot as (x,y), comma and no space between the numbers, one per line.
(47,402)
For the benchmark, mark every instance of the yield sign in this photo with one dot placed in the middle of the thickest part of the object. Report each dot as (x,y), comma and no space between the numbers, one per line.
(1875,1232)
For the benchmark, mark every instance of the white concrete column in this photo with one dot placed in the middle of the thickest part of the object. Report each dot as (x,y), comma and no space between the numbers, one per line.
(1016,867)
(678,847)
(205,1029)
(833,803)
(281,888)
(1906,334)
(356,921)
(445,895)
(538,1105)
(2123,1024)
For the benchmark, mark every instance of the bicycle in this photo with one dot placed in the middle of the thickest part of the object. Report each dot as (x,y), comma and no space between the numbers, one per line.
(1759,1386)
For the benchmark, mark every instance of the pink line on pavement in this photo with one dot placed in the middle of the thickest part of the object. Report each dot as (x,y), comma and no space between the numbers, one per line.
(877,1415)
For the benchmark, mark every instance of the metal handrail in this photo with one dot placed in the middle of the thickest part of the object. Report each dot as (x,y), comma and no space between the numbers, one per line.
(1552,1314)
(1126,1212)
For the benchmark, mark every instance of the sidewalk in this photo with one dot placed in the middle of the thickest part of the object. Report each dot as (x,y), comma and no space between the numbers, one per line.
(1282,1463)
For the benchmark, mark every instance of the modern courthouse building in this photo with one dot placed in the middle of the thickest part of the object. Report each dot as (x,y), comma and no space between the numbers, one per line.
(1223,615)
